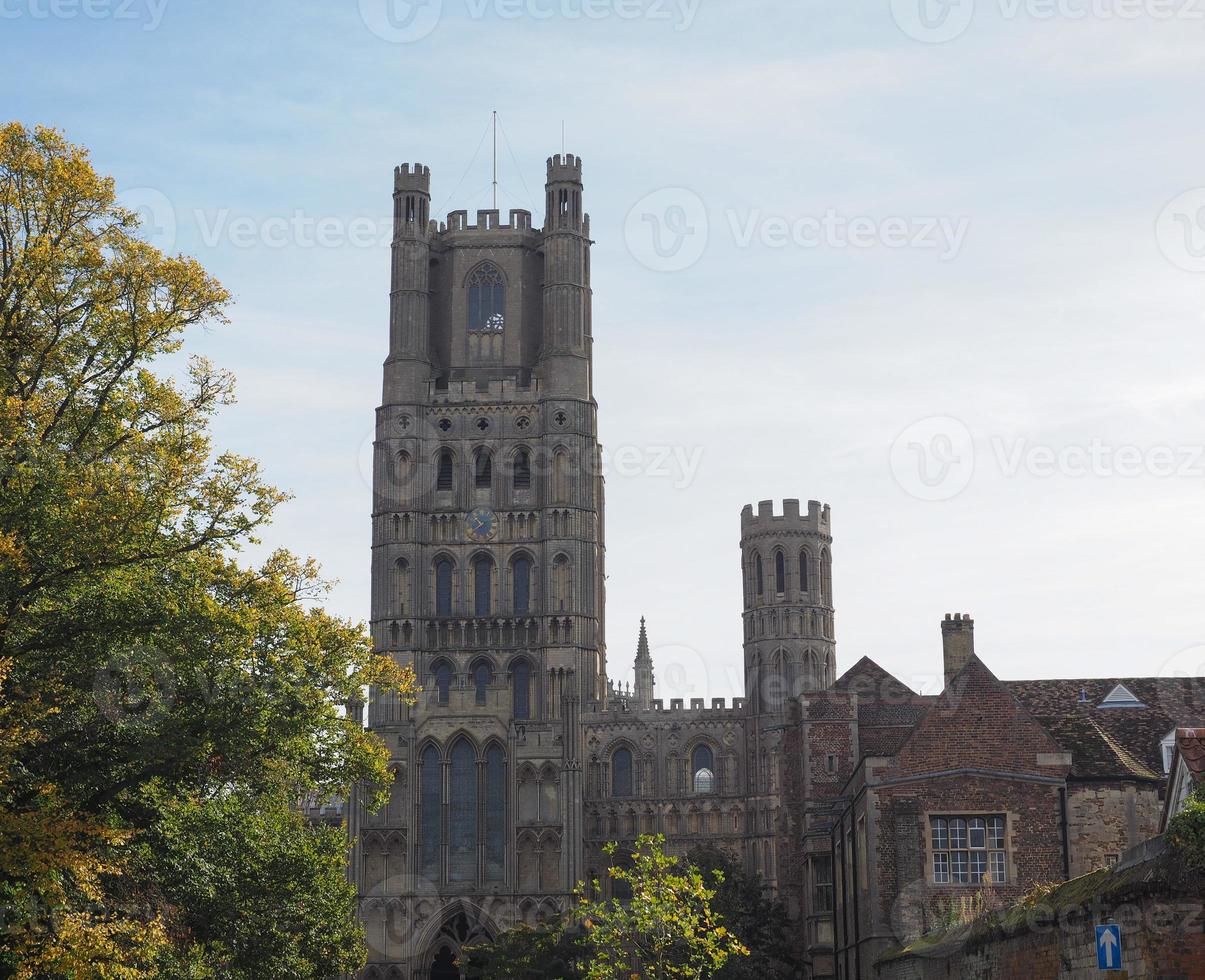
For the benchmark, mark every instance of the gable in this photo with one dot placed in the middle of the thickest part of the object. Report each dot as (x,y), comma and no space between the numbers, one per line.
(976,723)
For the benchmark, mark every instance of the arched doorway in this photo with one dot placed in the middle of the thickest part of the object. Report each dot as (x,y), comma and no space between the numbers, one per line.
(464,926)
(443,967)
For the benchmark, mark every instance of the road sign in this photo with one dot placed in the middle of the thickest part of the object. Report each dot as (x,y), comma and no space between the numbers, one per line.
(1108,947)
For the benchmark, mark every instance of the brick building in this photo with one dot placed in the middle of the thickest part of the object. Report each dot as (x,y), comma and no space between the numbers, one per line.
(966,800)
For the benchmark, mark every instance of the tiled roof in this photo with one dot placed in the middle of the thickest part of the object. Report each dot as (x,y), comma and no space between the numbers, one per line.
(1191,744)
(868,679)
(1120,741)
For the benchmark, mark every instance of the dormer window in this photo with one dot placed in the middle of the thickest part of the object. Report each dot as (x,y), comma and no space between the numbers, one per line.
(1121,697)
(487,300)
(1167,749)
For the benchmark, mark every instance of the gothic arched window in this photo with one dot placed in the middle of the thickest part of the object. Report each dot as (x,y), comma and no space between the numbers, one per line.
(522,472)
(561,582)
(462,813)
(401,585)
(761,582)
(443,680)
(483,572)
(445,479)
(483,469)
(487,300)
(702,763)
(483,677)
(826,578)
(443,587)
(521,690)
(621,773)
(780,573)
(803,571)
(495,813)
(520,571)
(429,803)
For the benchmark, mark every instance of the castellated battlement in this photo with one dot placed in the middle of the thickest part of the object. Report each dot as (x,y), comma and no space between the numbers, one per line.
(816,520)
(698,708)
(565,167)
(412,177)
(488,219)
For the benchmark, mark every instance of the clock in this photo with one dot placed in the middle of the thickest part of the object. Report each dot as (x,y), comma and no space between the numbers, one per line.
(481,525)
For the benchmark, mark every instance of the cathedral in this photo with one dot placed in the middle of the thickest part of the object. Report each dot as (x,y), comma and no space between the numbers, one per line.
(521,760)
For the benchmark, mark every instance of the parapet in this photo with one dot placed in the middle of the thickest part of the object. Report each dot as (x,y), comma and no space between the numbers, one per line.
(698,706)
(412,177)
(488,220)
(565,168)
(817,519)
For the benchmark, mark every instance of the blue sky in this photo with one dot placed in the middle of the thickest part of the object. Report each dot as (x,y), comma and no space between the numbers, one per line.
(954,288)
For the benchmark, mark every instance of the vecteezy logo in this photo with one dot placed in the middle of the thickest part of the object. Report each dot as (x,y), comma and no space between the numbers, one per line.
(933,21)
(1180,230)
(156,215)
(401,21)
(666,231)
(934,458)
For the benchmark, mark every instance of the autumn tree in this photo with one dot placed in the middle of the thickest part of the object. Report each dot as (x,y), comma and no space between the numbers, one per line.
(152,684)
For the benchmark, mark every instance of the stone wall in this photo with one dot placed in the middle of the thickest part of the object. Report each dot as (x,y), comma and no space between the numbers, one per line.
(1105,819)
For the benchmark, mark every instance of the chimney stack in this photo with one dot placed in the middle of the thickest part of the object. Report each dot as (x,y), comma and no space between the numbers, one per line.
(957,643)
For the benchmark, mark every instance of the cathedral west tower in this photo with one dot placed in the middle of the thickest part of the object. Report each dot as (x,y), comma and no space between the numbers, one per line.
(487,572)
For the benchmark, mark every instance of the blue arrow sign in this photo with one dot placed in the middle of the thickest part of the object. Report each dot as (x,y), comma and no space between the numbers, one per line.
(1108,947)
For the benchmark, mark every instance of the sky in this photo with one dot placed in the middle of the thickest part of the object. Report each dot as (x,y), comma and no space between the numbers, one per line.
(937,263)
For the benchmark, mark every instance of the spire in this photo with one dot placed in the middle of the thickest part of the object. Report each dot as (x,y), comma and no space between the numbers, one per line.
(644,671)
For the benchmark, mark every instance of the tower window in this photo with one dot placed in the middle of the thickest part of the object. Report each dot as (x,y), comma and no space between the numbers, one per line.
(487,300)
(483,677)
(445,479)
(521,585)
(430,795)
(443,680)
(702,762)
(483,570)
(621,773)
(522,470)
(495,813)
(761,582)
(462,813)
(803,571)
(484,470)
(443,588)
(521,682)
(780,573)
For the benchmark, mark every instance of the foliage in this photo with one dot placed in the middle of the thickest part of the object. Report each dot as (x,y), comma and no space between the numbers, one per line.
(143,669)
(760,921)
(246,876)
(667,929)
(1186,833)
(526,953)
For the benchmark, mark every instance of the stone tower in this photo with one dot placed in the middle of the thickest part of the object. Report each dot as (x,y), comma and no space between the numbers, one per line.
(487,573)
(786,568)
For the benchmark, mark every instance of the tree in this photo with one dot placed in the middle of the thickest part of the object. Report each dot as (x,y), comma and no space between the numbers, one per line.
(760,921)
(667,929)
(147,670)
(526,953)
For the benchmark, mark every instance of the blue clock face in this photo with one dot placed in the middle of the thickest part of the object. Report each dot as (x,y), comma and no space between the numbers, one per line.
(482,524)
